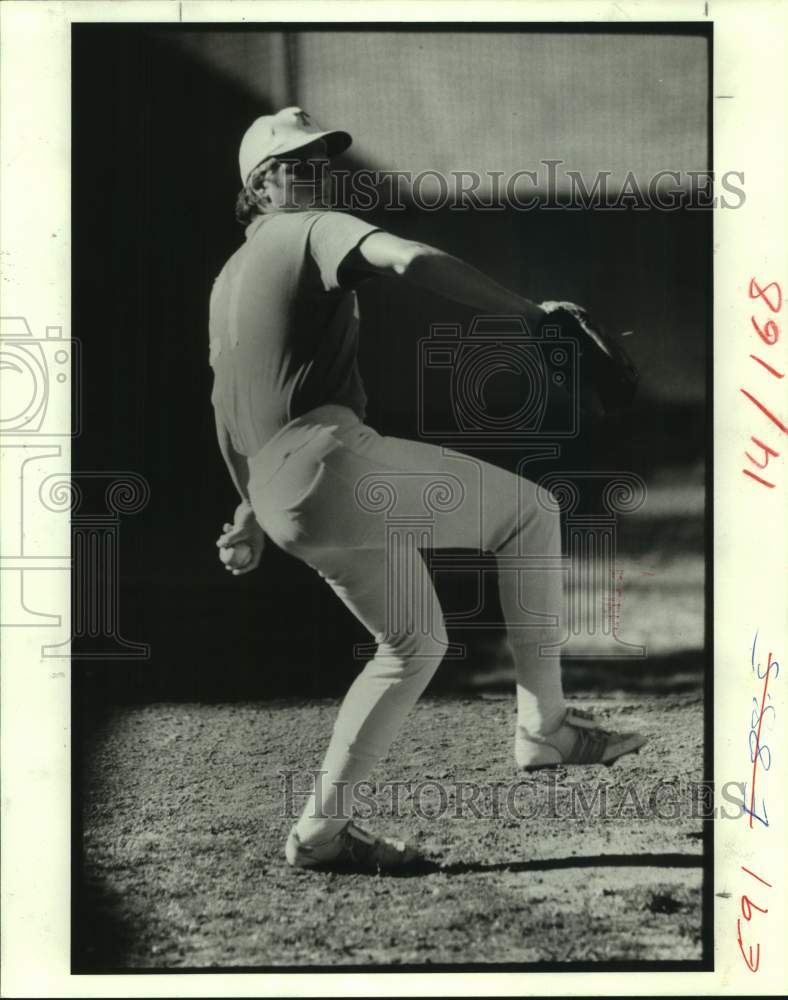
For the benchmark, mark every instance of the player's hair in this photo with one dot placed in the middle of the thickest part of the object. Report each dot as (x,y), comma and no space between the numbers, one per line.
(245,208)
(251,201)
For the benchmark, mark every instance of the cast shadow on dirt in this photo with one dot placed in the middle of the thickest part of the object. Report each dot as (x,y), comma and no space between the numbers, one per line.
(435,867)
(675,673)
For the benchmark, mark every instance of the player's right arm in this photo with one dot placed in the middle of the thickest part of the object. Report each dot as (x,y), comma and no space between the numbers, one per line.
(236,464)
(428,267)
(244,527)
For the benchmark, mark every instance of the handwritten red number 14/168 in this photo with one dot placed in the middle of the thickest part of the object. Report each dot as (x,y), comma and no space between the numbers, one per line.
(769,332)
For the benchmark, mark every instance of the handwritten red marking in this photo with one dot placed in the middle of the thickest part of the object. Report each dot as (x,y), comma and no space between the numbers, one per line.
(761,293)
(767,451)
(758,737)
(767,367)
(763,482)
(747,906)
(765,410)
(770,334)
(756,876)
(771,294)
(751,964)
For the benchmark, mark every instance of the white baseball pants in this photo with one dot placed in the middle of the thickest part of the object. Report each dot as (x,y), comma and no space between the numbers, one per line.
(357,506)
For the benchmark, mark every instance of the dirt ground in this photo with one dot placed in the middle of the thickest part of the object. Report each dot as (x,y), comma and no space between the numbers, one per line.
(185,816)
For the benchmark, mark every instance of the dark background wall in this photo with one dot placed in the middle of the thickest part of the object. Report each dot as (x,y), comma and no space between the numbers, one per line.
(156,128)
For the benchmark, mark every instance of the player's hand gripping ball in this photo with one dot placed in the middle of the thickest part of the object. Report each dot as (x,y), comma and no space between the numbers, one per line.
(236,556)
(241,544)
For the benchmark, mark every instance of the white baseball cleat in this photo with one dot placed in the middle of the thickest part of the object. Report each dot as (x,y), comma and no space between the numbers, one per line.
(591,744)
(353,848)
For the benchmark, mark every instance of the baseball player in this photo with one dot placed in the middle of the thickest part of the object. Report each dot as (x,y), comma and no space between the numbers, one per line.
(290,404)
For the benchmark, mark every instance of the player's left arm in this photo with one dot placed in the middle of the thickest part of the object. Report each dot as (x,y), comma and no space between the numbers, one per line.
(245,527)
(612,373)
(420,264)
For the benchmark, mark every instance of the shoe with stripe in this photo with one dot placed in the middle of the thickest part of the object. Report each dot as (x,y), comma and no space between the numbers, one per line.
(352,848)
(592,744)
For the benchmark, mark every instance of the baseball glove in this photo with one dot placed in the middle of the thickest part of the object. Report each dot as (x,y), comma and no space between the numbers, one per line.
(604,360)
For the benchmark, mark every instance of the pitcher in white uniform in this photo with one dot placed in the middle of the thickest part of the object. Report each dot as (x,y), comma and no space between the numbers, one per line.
(290,408)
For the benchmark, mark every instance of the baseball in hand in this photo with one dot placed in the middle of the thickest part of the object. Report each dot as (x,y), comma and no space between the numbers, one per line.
(236,556)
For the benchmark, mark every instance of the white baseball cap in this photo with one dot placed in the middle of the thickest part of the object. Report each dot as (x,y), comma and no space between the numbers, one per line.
(285,132)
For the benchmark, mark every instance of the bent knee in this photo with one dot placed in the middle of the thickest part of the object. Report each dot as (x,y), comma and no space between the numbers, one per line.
(417,651)
(427,647)
(537,517)
(435,643)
